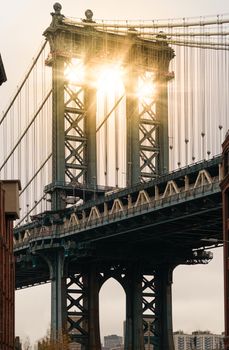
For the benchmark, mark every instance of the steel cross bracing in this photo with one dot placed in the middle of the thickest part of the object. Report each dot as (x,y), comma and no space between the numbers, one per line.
(149,139)
(74,143)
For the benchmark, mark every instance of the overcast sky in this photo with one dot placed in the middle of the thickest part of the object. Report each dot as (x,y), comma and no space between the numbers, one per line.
(197,290)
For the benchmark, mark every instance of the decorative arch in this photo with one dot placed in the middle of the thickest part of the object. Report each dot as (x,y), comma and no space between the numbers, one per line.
(112,289)
(116,272)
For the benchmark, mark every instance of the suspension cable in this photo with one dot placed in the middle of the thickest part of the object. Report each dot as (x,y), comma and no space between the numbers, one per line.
(109,114)
(35,205)
(25,131)
(145,24)
(23,82)
(35,174)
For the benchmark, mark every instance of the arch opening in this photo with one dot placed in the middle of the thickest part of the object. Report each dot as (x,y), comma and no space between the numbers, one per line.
(112,312)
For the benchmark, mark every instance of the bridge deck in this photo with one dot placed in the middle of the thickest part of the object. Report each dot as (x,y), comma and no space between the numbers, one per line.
(156,222)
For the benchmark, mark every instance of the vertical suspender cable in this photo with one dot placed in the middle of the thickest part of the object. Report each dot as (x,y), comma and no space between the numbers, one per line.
(179,64)
(27,160)
(105,138)
(186,99)
(173,99)
(203,100)
(116,141)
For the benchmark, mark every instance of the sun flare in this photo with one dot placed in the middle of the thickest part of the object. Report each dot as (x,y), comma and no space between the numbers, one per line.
(110,78)
(74,72)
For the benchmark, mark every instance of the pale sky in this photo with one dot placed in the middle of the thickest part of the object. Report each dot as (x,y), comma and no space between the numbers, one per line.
(197,290)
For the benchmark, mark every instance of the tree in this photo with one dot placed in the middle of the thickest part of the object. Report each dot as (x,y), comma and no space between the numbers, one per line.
(26,344)
(47,343)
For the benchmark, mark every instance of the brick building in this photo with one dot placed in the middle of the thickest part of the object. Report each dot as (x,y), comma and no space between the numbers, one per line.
(9,211)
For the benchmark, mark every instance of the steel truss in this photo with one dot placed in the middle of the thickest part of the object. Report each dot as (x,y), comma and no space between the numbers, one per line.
(148,305)
(75,135)
(77,312)
(149,149)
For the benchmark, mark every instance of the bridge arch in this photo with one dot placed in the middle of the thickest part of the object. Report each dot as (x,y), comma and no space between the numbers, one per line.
(112,289)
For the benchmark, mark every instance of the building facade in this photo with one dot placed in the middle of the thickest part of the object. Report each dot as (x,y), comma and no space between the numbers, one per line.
(113,341)
(9,210)
(198,340)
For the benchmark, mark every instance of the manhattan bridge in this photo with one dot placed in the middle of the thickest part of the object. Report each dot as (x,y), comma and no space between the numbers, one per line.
(115,133)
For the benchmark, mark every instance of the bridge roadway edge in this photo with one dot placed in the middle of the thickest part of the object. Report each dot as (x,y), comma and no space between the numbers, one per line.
(168,231)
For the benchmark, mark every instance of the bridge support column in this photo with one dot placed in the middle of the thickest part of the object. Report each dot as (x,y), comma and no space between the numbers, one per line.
(58,139)
(162,115)
(93,310)
(132,126)
(58,295)
(149,309)
(83,308)
(134,323)
(163,308)
(90,100)
(91,303)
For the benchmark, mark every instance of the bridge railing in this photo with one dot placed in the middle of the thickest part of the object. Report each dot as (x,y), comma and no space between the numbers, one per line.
(80,220)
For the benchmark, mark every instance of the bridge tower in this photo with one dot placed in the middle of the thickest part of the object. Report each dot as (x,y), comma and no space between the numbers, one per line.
(75,164)
(75,158)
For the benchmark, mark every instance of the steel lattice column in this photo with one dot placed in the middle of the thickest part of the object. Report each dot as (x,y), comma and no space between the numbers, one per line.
(74,130)
(157,308)
(150,122)
(147,126)
(76,309)
(73,113)
(80,128)
(83,308)
(75,135)
(148,309)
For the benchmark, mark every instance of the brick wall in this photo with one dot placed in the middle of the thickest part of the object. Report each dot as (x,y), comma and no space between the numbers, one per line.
(6,278)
